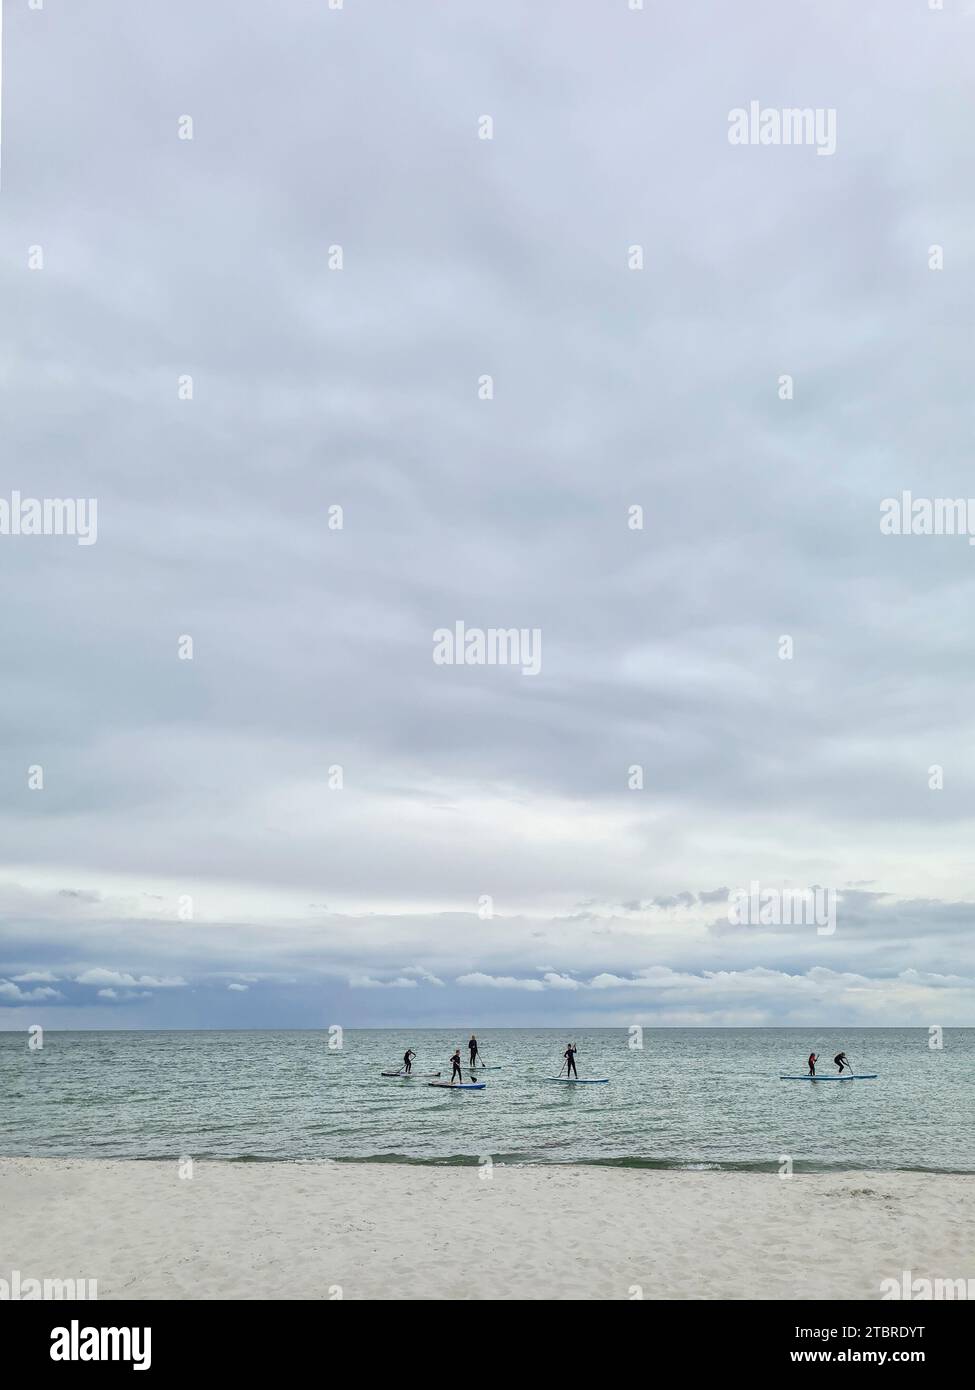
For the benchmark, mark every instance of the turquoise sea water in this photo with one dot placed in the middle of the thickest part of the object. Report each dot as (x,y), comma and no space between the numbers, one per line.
(688,1098)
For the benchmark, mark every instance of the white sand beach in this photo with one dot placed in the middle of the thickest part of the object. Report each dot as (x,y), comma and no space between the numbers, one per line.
(389,1231)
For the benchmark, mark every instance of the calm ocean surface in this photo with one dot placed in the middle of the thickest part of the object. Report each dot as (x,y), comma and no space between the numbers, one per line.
(690,1098)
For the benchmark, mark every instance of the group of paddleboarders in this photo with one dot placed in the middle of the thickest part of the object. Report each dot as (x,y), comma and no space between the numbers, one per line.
(841,1062)
(839,1059)
(475,1061)
(456,1074)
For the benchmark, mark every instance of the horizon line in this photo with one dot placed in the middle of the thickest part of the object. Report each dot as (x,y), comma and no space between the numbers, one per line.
(541,1028)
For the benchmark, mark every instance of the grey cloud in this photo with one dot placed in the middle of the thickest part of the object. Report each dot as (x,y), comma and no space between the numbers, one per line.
(209,779)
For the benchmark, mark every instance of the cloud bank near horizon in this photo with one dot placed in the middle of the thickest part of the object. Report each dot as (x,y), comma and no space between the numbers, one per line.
(889,961)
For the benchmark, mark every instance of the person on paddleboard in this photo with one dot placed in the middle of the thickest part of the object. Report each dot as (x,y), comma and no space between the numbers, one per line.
(813,1059)
(841,1062)
(408,1056)
(472,1049)
(570,1060)
(455,1063)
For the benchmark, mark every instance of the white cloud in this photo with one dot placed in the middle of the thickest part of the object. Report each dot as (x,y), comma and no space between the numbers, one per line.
(9,990)
(100,976)
(368,982)
(418,972)
(554,980)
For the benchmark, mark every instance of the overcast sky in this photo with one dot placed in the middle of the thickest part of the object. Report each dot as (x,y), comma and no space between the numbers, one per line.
(485,861)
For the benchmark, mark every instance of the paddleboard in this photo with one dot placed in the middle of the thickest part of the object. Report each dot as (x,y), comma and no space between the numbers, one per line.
(869,1076)
(410,1076)
(459,1085)
(579,1080)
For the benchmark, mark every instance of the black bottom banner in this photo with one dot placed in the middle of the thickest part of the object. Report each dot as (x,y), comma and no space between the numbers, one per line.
(172,1340)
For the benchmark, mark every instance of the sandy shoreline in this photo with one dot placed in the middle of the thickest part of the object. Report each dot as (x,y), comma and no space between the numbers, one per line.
(305,1230)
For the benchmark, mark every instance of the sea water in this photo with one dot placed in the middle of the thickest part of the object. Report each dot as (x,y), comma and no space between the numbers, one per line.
(686,1098)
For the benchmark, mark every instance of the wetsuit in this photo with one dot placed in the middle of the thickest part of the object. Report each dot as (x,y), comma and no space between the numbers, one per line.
(812,1064)
(472,1049)
(408,1061)
(840,1060)
(570,1058)
(456,1068)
